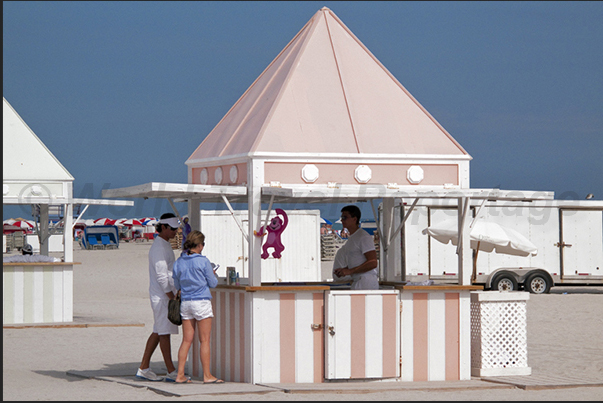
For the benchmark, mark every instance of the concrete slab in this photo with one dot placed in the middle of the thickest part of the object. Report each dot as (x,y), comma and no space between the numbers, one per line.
(370,386)
(535,382)
(197,387)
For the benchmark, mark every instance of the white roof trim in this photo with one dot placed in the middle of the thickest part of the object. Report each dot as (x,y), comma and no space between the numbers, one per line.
(207,193)
(349,193)
(57,201)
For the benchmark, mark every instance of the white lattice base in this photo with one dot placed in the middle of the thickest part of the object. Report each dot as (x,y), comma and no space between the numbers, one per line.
(499,344)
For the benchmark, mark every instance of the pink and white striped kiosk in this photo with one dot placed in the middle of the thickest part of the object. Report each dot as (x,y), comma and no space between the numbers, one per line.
(327,122)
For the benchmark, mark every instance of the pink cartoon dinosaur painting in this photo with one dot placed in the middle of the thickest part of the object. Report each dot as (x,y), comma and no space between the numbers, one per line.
(274,230)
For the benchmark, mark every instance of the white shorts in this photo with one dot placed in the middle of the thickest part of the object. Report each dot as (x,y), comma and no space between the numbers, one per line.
(198,310)
(162,324)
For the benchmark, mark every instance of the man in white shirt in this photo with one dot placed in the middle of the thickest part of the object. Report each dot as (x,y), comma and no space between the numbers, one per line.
(358,253)
(161,290)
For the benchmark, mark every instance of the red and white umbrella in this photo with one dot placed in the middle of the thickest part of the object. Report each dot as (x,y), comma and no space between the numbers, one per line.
(104,221)
(10,221)
(24,224)
(128,222)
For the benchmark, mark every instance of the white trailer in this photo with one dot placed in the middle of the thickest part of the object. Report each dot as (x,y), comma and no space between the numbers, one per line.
(227,245)
(568,234)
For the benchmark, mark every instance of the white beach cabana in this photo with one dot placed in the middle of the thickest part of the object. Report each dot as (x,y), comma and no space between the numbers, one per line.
(327,122)
(32,175)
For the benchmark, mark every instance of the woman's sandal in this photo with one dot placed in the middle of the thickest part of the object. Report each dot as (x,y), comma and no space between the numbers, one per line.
(189,380)
(215,381)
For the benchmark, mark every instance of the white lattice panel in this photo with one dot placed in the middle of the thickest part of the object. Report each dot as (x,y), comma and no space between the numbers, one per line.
(499,344)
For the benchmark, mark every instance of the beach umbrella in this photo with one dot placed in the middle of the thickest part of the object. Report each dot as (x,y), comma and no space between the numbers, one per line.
(150,222)
(145,219)
(484,235)
(24,224)
(325,221)
(104,221)
(10,221)
(128,222)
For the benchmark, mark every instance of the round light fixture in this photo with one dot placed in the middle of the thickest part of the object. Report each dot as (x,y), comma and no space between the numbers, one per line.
(415,174)
(234,174)
(310,173)
(203,176)
(363,174)
(36,190)
(218,175)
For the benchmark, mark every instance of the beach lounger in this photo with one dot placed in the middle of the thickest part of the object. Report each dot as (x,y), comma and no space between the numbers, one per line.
(92,241)
(107,242)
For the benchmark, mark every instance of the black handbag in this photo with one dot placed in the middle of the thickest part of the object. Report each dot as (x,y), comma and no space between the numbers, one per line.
(174,311)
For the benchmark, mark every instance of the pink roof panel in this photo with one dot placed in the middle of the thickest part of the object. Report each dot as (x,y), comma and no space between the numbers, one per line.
(326,93)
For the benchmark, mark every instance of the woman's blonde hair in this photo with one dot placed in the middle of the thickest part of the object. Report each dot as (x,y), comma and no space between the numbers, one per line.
(194,239)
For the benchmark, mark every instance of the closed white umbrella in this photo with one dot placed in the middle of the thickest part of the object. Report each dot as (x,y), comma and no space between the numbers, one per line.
(484,235)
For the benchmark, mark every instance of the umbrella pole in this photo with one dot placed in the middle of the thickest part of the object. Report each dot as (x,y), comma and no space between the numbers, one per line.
(474,275)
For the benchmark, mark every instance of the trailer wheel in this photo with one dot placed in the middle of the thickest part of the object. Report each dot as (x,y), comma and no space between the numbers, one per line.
(538,283)
(504,282)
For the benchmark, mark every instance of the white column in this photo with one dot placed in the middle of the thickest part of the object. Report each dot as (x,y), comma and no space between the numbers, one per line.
(43,234)
(68,233)
(254,189)
(392,256)
(464,247)
(194,214)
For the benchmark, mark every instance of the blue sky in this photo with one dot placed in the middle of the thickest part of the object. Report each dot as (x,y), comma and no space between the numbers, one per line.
(123,92)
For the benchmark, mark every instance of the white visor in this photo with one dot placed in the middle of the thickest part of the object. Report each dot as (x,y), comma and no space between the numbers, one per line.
(172,222)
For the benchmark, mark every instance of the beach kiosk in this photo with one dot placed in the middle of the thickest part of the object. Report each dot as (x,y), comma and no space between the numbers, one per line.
(31,175)
(327,122)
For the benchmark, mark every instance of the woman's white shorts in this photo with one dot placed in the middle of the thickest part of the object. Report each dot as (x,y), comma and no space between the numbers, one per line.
(198,310)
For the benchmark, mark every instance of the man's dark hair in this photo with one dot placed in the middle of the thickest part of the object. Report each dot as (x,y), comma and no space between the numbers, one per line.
(159,226)
(353,210)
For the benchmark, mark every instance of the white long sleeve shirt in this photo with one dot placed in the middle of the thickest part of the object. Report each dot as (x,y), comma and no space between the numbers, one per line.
(161,265)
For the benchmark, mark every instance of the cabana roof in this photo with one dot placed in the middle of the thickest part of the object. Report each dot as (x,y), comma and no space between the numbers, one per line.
(326,93)
(24,155)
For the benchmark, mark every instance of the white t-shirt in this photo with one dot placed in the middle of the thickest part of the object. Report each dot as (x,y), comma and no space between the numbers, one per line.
(161,265)
(359,243)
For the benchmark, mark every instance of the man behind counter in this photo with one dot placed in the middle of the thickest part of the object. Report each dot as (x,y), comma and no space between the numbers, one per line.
(358,252)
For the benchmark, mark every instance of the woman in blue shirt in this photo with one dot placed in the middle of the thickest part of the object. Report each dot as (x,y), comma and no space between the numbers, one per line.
(193,277)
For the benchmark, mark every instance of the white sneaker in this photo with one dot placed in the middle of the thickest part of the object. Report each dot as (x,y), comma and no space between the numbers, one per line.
(171,377)
(148,375)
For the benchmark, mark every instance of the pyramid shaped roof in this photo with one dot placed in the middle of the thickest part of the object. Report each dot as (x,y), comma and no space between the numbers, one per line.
(25,158)
(327,93)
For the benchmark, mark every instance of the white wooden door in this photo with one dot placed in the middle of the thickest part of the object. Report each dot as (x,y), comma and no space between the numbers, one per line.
(362,334)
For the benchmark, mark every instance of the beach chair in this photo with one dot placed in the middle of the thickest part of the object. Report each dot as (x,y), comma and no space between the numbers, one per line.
(92,241)
(107,242)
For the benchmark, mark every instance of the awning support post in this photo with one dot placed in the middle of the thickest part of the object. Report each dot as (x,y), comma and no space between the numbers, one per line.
(232,213)
(463,248)
(79,216)
(268,212)
(174,208)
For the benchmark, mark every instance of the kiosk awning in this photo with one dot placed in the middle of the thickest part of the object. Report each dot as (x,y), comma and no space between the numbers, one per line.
(182,192)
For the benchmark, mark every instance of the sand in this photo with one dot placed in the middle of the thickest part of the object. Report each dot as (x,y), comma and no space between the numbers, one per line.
(565,331)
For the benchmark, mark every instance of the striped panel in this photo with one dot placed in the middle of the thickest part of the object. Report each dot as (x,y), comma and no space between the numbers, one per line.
(433,326)
(227,344)
(37,294)
(365,343)
(286,347)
